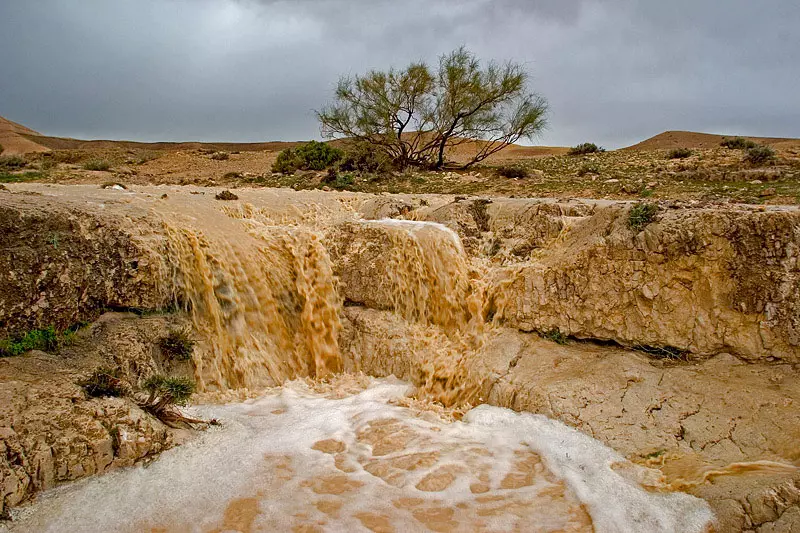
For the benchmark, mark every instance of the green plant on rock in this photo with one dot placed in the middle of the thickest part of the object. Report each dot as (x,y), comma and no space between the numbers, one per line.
(178,344)
(555,335)
(105,381)
(641,214)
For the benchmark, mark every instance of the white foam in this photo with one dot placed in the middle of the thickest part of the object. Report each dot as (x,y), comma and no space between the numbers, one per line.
(191,486)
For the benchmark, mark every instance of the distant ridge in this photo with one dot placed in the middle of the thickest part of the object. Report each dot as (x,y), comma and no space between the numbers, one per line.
(692,139)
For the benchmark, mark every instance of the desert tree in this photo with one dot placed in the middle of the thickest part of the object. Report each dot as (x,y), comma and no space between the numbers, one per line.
(415,115)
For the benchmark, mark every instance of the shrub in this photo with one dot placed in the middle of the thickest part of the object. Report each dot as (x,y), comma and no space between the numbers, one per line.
(97,164)
(679,153)
(178,344)
(105,381)
(586,148)
(363,157)
(312,155)
(588,169)
(641,214)
(343,181)
(220,156)
(738,143)
(47,339)
(12,161)
(759,154)
(512,172)
(232,176)
(8,177)
(37,339)
(1,149)
(167,390)
(555,335)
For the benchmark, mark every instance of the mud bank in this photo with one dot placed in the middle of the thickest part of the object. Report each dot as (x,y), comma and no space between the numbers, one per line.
(279,285)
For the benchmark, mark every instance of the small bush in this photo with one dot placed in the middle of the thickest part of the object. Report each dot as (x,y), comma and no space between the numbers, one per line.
(178,344)
(738,143)
(37,339)
(12,161)
(343,181)
(8,177)
(309,156)
(588,169)
(512,172)
(555,335)
(168,390)
(96,164)
(363,157)
(759,154)
(586,148)
(641,214)
(232,176)
(47,340)
(105,381)
(1,149)
(679,153)
(220,156)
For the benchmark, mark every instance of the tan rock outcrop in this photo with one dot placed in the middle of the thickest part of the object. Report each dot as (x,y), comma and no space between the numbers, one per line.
(704,281)
(61,265)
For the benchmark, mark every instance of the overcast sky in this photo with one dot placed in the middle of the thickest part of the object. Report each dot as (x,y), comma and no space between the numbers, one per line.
(614,71)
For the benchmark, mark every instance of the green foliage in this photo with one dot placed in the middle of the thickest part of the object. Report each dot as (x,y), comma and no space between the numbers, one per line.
(339,181)
(415,114)
(679,153)
(588,168)
(220,156)
(364,157)
(738,143)
(586,148)
(641,214)
(46,340)
(232,176)
(312,155)
(178,344)
(96,164)
(512,172)
(555,335)
(8,177)
(759,154)
(105,381)
(12,162)
(165,390)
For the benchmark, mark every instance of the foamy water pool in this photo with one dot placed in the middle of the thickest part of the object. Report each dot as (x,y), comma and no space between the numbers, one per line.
(298,460)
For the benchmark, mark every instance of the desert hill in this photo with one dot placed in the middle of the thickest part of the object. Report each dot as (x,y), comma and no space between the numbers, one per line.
(690,139)
(15,138)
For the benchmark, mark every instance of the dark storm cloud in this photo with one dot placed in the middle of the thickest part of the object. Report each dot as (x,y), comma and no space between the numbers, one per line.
(614,71)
